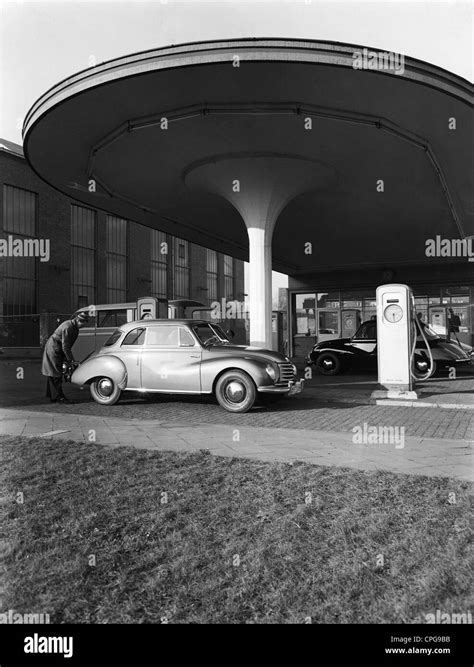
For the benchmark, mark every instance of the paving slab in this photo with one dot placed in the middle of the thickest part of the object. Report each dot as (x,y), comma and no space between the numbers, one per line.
(419,455)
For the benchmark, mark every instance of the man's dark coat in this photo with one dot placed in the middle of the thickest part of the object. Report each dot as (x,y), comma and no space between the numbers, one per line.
(58,349)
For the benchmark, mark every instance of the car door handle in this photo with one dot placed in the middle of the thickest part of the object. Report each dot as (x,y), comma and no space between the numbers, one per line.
(194,356)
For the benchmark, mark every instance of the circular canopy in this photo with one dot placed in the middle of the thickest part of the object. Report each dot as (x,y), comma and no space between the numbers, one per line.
(394,144)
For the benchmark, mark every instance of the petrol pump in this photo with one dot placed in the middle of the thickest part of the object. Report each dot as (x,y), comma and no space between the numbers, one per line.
(151,307)
(397,330)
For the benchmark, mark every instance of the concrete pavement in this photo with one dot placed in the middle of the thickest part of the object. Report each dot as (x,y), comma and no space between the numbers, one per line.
(408,454)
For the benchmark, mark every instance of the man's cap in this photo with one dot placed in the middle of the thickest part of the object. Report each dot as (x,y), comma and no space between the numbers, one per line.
(82,317)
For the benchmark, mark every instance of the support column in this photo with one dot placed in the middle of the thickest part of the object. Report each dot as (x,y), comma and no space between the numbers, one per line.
(259,187)
(260,288)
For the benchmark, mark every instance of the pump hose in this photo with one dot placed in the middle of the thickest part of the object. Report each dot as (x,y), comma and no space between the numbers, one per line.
(429,373)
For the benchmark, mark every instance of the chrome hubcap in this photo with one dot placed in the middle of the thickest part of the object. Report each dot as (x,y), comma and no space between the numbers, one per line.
(327,363)
(105,387)
(235,391)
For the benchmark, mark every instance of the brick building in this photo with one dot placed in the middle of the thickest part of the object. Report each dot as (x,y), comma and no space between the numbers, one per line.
(94,258)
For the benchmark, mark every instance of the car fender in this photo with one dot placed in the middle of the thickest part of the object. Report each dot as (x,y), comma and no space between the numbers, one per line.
(442,353)
(451,350)
(102,365)
(211,368)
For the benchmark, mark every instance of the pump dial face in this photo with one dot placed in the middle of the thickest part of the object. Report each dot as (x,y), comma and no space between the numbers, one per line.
(393,313)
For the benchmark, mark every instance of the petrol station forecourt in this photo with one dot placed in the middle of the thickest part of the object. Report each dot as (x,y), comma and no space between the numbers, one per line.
(288,153)
(282,153)
(294,155)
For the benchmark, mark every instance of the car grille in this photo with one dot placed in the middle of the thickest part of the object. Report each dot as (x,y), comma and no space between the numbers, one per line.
(286,373)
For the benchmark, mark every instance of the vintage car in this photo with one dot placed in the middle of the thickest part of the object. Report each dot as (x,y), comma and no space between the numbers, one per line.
(185,357)
(360,352)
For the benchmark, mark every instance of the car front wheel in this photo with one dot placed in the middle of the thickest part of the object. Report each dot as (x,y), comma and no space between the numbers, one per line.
(235,391)
(105,391)
(422,366)
(328,364)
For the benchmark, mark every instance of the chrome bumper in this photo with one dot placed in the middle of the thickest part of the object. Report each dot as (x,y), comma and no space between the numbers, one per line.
(293,387)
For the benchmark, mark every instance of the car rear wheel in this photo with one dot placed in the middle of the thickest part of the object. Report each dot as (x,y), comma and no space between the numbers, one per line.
(105,391)
(328,364)
(235,391)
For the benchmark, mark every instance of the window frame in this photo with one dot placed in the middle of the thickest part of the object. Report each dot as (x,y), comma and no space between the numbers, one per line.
(20,309)
(114,311)
(190,333)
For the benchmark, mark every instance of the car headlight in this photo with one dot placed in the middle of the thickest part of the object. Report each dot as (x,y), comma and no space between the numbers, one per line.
(271,372)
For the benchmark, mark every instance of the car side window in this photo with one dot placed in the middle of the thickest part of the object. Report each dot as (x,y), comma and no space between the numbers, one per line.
(166,336)
(134,337)
(185,338)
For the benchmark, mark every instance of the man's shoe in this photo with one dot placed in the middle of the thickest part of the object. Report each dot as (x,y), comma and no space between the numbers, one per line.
(53,400)
(63,399)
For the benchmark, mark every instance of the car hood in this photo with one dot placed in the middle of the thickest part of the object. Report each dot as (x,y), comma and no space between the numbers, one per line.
(247,351)
(334,344)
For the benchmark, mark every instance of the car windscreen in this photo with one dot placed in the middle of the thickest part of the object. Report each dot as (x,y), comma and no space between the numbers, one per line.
(207,333)
(113,338)
(221,333)
(429,333)
(367,330)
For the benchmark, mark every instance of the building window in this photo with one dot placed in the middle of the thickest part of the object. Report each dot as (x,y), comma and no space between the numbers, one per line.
(181,269)
(228,278)
(159,263)
(19,273)
(212,272)
(116,259)
(82,256)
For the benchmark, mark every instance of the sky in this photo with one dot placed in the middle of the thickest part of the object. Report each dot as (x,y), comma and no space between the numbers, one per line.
(44,42)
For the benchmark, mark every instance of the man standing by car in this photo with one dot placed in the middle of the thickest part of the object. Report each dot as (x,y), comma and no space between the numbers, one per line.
(57,351)
(454,322)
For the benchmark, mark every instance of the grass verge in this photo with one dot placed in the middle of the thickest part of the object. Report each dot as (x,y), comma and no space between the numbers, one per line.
(123,535)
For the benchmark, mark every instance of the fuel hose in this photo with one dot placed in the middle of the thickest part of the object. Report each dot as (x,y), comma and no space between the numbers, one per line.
(429,373)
